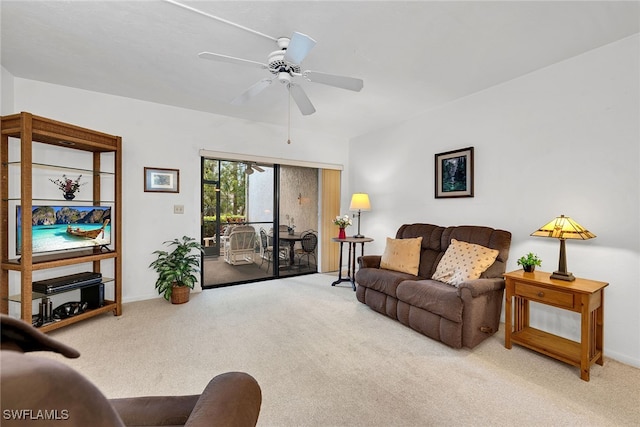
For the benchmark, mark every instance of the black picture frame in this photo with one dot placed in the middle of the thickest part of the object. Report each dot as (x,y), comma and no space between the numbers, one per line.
(159,180)
(454,173)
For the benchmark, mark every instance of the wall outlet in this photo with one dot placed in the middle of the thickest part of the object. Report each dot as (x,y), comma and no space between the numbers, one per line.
(178,209)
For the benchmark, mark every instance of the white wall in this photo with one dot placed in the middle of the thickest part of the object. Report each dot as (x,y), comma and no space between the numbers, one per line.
(6,92)
(167,137)
(562,140)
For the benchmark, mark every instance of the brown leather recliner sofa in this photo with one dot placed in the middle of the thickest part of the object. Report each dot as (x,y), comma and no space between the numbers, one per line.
(462,315)
(42,391)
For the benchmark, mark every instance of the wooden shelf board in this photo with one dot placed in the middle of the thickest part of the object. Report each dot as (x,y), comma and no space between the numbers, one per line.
(107,307)
(65,135)
(58,260)
(551,345)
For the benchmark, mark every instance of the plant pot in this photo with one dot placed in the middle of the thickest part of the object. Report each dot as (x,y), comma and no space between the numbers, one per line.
(528,268)
(180,294)
(342,234)
(69,195)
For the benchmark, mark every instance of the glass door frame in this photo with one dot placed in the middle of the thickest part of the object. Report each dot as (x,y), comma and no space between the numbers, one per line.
(211,249)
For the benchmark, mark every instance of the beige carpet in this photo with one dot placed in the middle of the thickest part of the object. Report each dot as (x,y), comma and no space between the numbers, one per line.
(324,359)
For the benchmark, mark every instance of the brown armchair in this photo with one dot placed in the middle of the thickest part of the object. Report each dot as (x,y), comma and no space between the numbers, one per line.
(41,391)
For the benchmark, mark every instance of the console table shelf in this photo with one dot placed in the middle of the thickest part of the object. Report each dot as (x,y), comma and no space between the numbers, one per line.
(67,142)
(560,348)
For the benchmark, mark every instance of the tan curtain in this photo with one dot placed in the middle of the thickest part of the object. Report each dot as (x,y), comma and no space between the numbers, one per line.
(330,195)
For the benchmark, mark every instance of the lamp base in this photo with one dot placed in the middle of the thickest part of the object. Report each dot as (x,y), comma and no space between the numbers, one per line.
(563,275)
(359,236)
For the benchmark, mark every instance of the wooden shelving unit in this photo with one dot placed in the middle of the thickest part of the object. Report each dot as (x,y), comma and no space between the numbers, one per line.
(26,129)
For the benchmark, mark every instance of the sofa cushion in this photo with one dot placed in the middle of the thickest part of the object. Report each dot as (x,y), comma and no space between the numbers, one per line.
(432,296)
(464,261)
(402,255)
(381,280)
(432,249)
(484,236)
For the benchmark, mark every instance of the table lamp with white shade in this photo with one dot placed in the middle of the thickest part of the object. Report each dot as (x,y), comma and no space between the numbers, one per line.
(360,202)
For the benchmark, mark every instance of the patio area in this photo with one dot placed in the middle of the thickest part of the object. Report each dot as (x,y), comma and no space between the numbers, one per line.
(217,272)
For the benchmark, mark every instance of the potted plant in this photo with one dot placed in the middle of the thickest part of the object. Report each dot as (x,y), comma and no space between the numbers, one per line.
(176,269)
(529,262)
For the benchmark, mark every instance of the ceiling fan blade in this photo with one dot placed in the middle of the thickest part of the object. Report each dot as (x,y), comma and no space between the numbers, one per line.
(301,99)
(232,60)
(299,47)
(343,82)
(255,89)
(258,168)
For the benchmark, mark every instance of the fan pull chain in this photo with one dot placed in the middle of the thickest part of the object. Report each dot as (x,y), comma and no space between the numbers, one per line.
(289,119)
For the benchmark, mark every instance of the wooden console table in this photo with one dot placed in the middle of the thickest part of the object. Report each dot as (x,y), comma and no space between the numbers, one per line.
(581,296)
(351,264)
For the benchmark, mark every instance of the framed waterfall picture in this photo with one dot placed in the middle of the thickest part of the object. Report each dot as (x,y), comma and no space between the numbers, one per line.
(454,173)
(161,180)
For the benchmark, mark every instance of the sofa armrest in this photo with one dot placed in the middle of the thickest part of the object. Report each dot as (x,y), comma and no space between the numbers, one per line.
(34,383)
(155,410)
(369,261)
(481,286)
(233,398)
(230,399)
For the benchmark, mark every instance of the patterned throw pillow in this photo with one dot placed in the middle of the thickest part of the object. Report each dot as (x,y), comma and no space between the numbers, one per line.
(402,255)
(464,261)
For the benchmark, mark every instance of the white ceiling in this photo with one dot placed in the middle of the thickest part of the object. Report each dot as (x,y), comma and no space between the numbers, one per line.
(412,56)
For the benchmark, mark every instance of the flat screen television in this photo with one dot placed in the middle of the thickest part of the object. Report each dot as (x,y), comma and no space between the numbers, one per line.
(60,228)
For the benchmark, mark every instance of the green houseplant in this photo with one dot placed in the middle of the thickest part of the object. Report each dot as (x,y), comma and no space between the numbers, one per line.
(177,269)
(529,262)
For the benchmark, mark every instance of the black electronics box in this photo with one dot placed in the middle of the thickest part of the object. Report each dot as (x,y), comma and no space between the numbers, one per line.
(66,283)
(93,295)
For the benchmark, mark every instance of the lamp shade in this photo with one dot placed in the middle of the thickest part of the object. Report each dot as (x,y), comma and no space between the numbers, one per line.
(563,227)
(360,202)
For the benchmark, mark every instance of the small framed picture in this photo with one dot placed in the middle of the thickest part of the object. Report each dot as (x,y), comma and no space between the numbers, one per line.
(454,173)
(161,180)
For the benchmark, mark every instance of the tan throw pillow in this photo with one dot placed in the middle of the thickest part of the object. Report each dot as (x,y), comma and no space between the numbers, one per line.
(402,255)
(464,261)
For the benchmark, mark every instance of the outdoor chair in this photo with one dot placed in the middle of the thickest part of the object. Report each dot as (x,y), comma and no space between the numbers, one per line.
(224,237)
(266,250)
(240,247)
(308,245)
(284,246)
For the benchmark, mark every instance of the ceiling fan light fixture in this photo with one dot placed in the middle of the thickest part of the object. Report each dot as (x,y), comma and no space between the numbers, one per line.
(284,78)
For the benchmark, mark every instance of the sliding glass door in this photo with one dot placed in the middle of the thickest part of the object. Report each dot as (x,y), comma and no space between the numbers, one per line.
(254,217)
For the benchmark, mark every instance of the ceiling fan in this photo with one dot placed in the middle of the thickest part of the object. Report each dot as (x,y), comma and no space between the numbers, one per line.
(283,66)
(250,167)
